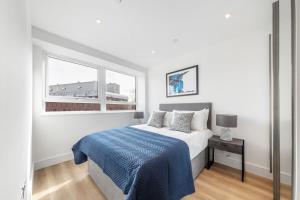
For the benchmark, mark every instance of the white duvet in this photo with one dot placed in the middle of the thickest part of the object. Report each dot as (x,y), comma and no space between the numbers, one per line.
(196,140)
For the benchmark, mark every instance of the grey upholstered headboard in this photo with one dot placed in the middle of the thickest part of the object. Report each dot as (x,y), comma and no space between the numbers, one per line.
(189,107)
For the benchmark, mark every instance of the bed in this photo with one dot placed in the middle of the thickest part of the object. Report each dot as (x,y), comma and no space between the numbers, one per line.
(196,142)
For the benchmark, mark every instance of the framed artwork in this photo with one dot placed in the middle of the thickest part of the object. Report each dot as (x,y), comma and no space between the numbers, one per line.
(182,82)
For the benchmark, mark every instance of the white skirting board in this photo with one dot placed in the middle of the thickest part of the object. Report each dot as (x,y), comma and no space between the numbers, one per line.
(232,162)
(251,167)
(47,162)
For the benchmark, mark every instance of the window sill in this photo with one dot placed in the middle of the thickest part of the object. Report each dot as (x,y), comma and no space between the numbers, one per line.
(58,113)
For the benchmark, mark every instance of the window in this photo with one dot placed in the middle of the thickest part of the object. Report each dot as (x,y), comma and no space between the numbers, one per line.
(71,86)
(120,91)
(67,79)
(75,86)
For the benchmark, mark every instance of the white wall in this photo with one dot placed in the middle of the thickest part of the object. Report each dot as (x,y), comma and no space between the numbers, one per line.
(15,100)
(233,75)
(55,134)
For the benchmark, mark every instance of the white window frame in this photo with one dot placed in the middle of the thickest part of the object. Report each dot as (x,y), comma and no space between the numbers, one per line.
(101,73)
(118,102)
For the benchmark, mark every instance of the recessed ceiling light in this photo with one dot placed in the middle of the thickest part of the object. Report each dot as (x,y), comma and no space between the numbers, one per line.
(99,21)
(227,16)
(153,52)
(175,40)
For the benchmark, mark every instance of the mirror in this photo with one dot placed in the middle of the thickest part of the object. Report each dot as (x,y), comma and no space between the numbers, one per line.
(285,88)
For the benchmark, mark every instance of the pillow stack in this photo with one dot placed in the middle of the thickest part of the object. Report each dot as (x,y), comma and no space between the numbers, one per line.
(199,121)
(184,121)
(181,122)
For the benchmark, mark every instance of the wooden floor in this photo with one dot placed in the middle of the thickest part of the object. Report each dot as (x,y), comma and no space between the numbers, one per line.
(66,181)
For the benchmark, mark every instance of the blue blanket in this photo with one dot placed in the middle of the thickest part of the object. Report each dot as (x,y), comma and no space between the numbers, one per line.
(144,165)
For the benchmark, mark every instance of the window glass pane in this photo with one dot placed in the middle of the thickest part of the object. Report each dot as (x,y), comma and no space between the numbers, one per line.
(120,87)
(67,79)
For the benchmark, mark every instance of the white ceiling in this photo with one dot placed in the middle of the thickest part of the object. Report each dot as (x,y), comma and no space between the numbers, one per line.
(133,28)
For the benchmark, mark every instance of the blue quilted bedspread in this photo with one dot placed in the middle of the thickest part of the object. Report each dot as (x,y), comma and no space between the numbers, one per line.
(144,165)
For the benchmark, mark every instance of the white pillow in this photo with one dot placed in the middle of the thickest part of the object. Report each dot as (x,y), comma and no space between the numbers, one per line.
(167,119)
(200,116)
(199,121)
(149,118)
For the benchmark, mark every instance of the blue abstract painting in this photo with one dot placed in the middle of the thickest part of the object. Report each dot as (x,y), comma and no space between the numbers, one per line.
(182,82)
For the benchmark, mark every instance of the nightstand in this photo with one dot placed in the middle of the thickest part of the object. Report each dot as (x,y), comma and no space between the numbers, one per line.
(235,146)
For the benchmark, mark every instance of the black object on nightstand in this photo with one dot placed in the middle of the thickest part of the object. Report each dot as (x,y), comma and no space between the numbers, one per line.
(235,146)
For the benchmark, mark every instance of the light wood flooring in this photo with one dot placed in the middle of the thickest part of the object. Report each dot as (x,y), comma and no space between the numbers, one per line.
(67,181)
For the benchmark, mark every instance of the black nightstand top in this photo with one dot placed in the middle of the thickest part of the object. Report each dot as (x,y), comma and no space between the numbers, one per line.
(235,141)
